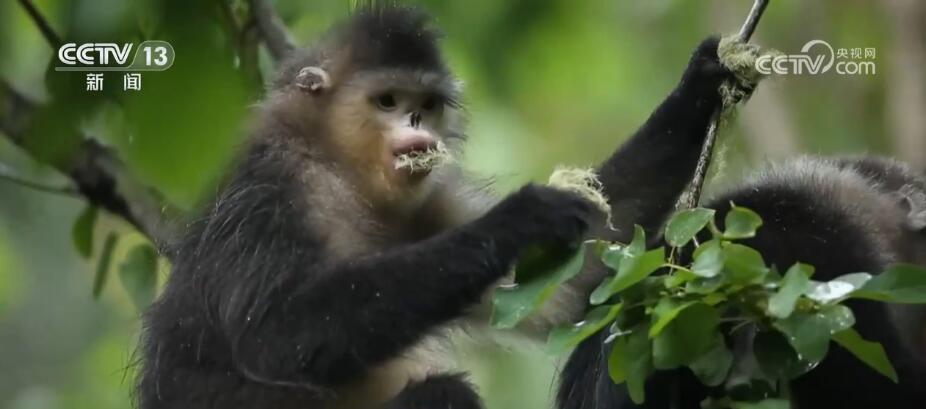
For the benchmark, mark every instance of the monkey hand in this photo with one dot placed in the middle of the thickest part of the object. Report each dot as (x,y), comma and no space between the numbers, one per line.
(540,215)
(705,72)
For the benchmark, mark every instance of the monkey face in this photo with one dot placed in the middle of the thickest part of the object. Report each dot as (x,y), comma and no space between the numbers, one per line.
(394,127)
(410,123)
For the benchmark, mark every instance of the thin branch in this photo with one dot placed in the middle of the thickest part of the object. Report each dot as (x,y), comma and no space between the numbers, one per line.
(248,45)
(8,175)
(692,196)
(50,36)
(228,17)
(244,38)
(272,30)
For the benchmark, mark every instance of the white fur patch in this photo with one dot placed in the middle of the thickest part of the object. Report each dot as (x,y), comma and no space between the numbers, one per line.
(916,200)
(428,357)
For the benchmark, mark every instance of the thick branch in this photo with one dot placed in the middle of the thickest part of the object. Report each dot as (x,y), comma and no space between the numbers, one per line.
(272,30)
(95,170)
(97,174)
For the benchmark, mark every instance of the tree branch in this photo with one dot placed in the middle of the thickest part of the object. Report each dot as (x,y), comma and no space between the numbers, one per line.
(95,170)
(50,36)
(244,38)
(272,30)
(8,175)
(97,174)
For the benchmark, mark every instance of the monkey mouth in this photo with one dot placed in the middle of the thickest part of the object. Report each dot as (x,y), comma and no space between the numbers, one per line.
(420,160)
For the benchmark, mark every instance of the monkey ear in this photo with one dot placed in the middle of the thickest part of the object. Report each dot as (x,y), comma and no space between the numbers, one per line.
(313,80)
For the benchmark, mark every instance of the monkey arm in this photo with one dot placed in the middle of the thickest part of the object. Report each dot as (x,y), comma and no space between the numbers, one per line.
(644,178)
(327,324)
(357,314)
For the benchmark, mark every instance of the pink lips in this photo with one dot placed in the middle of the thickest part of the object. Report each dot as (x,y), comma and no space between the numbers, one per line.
(413,143)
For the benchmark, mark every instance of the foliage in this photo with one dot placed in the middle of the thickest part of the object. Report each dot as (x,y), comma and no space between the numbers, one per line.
(662,314)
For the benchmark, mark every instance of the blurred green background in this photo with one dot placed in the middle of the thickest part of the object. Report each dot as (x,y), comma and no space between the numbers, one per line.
(548,82)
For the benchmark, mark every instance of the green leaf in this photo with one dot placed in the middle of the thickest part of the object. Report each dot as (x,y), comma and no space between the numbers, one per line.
(666,310)
(795,283)
(102,266)
(686,224)
(764,404)
(837,288)
(648,288)
(857,280)
(709,259)
(598,246)
(871,353)
(565,337)
(686,338)
(633,268)
(741,223)
(777,358)
(537,275)
(810,333)
(678,277)
(902,283)
(743,265)
(631,361)
(773,276)
(139,274)
(713,366)
(612,256)
(705,285)
(82,232)
(713,299)
(638,245)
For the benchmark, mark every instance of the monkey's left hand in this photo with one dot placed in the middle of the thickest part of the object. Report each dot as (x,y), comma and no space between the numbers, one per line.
(538,214)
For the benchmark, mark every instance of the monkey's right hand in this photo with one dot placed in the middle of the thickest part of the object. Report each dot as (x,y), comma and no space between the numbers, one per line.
(704,71)
(539,215)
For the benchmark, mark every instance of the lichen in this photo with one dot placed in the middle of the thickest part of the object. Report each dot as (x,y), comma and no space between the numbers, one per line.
(740,58)
(583,182)
(437,156)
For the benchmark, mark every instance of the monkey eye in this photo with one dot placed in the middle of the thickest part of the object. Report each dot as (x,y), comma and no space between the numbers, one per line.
(386,102)
(430,103)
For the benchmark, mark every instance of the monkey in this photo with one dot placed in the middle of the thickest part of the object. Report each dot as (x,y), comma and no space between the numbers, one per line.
(320,271)
(840,215)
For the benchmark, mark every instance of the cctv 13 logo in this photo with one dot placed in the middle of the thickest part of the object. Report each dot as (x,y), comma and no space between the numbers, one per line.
(149,56)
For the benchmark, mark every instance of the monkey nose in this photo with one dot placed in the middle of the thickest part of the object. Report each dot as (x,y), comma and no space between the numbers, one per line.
(413,144)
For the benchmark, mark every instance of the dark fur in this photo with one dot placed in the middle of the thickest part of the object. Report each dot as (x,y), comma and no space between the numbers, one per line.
(379,35)
(842,216)
(258,313)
